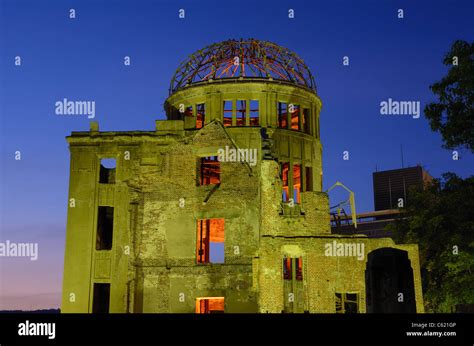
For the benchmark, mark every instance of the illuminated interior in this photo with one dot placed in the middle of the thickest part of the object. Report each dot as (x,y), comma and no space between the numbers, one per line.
(210,171)
(210,241)
(209,305)
(287,268)
(295,117)
(284,177)
(297,183)
(200,115)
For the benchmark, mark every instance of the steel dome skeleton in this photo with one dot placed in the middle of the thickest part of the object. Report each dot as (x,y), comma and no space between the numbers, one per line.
(242,59)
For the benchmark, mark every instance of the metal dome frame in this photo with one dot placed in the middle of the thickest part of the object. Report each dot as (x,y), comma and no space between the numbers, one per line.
(233,59)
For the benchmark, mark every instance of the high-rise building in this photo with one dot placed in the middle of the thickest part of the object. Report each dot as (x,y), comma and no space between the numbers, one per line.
(391,188)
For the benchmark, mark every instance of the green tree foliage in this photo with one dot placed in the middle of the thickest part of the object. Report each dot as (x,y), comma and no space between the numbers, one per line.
(441,220)
(453,114)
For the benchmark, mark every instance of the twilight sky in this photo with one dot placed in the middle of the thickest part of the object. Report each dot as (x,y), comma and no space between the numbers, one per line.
(82,59)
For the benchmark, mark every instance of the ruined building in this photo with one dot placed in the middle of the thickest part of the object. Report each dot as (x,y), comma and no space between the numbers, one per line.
(221,208)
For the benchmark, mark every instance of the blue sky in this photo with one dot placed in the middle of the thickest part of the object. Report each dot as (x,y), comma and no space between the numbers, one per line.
(82,59)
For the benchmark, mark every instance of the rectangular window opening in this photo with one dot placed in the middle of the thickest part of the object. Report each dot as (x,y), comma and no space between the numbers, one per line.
(299,268)
(210,241)
(107,171)
(309,179)
(101,300)
(200,115)
(241,112)
(105,228)
(227,113)
(306,121)
(347,303)
(210,305)
(295,117)
(188,111)
(284,178)
(254,111)
(282,115)
(297,183)
(287,272)
(209,170)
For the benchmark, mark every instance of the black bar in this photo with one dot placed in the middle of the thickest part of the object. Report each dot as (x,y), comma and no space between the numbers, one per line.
(241,329)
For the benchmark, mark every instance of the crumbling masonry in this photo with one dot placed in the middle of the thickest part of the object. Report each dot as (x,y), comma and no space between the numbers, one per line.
(159,222)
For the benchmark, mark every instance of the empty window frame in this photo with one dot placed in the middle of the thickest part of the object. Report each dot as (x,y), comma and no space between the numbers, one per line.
(299,269)
(227,107)
(209,170)
(254,113)
(293,268)
(241,112)
(200,115)
(309,178)
(107,171)
(347,303)
(210,305)
(105,228)
(287,268)
(284,166)
(188,111)
(210,241)
(297,183)
(101,300)
(306,121)
(282,115)
(294,116)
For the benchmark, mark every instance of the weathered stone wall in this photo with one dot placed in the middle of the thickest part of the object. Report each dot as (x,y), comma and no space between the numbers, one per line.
(168,232)
(152,264)
(306,236)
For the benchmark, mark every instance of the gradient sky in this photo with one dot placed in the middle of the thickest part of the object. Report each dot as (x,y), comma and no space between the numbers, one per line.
(82,59)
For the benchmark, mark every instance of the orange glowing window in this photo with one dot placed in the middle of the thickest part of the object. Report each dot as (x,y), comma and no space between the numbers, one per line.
(210,305)
(287,264)
(284,178)
(227,113)
(241,112)
(282,115)
(297,183)
(295,116)
(210,241)
(288,268)
(200,115)
(209,170)
(299,268)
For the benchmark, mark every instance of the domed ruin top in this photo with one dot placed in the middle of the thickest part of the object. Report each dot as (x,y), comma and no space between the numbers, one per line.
(241,59)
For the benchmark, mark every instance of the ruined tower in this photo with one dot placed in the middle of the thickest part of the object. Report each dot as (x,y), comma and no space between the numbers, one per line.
(221,208)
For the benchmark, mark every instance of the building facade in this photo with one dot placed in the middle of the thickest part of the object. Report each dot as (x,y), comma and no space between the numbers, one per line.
(221,208)
(391,188)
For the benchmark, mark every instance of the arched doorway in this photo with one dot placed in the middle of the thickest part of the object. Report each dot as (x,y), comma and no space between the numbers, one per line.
(388,273)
